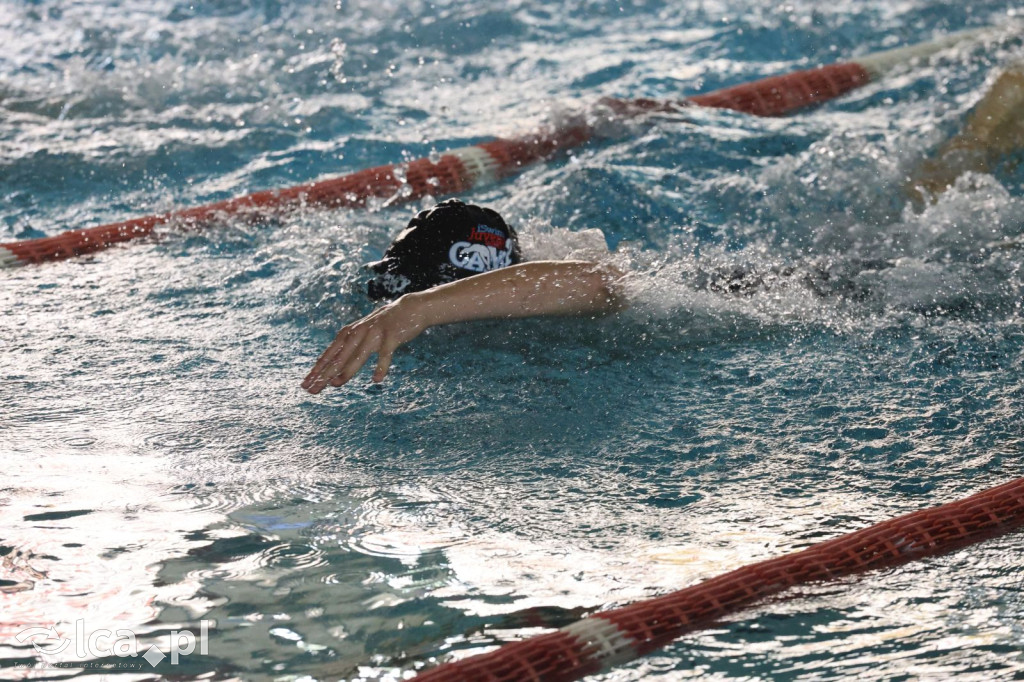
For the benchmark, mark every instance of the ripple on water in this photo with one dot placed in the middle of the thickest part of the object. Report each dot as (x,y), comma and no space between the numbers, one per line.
(79,441)
(392,525)
(292,556)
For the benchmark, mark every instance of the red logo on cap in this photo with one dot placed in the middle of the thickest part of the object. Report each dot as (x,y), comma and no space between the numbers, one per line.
(488,236)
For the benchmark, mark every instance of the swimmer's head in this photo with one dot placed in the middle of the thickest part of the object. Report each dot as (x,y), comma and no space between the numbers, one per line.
(448,242)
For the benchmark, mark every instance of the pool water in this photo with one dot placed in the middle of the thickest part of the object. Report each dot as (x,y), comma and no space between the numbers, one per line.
(162,467)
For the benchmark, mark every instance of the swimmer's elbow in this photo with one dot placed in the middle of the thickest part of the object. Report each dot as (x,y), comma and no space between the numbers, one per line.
(604,284)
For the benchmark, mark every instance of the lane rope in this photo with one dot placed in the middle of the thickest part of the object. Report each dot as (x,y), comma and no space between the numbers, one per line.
(604,640)
(462,169)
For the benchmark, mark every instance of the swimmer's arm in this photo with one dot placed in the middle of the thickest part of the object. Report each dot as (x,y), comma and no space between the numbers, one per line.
(523,290)
(994,128)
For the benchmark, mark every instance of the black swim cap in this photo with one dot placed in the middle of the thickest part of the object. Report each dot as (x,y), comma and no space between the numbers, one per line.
(448,242)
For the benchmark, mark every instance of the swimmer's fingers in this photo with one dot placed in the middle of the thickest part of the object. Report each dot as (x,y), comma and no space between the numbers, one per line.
(318,367)
(345,368)
(387,349)
(325,357)
(333,359)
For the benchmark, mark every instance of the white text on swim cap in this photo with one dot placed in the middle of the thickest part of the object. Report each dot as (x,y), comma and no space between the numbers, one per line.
(480,258)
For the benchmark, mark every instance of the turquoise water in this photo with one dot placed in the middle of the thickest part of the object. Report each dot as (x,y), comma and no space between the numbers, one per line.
(162,467)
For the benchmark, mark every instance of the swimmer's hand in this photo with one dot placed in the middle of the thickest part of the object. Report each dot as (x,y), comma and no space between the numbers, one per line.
(380,332)
(523,290)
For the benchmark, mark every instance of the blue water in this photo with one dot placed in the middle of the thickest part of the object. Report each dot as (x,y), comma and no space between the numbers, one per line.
(161,466)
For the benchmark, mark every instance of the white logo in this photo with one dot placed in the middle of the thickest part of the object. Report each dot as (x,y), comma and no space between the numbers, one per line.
(480,258)
(104,643)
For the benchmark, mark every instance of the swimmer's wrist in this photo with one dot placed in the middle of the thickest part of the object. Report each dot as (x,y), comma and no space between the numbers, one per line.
(453,302)
(416,309)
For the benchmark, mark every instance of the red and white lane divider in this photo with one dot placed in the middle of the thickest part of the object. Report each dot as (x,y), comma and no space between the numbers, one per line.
(614,637)
(462,169)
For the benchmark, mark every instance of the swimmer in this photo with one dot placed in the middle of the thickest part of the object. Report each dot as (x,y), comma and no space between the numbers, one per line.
(458,262)
(454,263)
